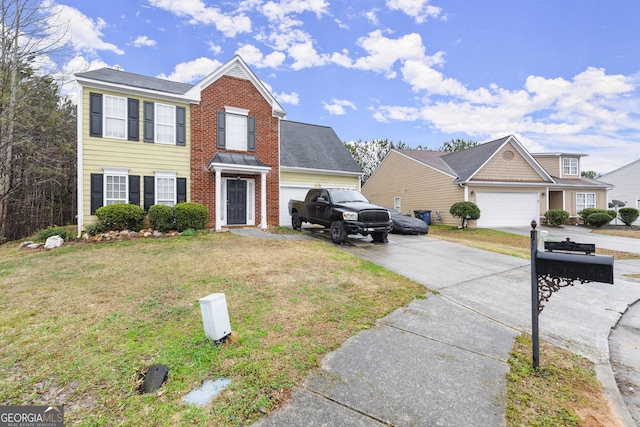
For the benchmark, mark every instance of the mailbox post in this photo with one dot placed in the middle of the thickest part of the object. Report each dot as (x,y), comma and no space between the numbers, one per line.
(561,265)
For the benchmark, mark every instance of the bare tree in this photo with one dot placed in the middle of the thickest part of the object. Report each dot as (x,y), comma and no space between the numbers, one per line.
(25,37)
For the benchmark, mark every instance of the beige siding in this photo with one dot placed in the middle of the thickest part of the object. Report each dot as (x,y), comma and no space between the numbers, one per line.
(550,164)
(507,165)
(319,180)
(418,186)
(571,198)
(140,158)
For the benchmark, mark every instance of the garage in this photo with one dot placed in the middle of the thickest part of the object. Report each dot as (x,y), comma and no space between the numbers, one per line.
(288,192)
(507,209)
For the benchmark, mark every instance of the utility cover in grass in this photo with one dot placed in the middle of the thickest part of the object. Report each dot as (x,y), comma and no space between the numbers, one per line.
(209,389)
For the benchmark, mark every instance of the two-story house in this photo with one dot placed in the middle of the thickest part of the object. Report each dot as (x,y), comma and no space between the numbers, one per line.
(145,140)
(511,186)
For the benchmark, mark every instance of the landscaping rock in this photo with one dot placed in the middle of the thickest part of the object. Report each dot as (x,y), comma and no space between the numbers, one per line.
(53,242)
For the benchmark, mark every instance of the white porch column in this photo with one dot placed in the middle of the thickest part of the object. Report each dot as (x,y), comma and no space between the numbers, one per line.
(263,200)
(218,201)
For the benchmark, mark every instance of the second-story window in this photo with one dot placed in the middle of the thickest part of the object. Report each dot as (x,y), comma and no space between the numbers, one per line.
(236,132)
(115,117)
(165,124)
(570,166)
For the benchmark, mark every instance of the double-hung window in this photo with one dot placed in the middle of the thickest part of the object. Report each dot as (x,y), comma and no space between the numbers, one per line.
(165,121)
(585,200)
(236,130)
(165,188)
(115,117)
(570,166)
(115,186)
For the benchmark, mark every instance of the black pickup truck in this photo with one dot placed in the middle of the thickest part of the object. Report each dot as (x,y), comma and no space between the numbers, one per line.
(344,212)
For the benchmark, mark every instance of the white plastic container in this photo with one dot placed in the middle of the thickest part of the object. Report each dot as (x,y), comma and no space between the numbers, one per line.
(215,316)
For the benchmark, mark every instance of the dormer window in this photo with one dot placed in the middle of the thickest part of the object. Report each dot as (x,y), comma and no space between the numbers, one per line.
(570,166)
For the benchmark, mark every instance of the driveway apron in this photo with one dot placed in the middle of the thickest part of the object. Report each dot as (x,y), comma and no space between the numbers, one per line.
(442,361)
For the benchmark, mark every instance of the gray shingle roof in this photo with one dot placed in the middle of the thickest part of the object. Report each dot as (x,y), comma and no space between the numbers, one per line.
(466,162)
(109,75)
(314,147)
(430,158)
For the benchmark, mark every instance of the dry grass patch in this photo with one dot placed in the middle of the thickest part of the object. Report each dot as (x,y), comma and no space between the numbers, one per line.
(562,391)
(78,324)
(501,242)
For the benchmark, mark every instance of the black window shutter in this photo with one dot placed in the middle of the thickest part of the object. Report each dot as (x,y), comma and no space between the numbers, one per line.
(181,126)
(148,121)
(251,133)
(181,187)
(149,192)
(95,114)
(134,190)
(221,129)
(133,108)
(96,192)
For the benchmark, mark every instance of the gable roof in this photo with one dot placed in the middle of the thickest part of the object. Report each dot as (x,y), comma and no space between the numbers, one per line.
(314,147)
(236,67)
(430,158)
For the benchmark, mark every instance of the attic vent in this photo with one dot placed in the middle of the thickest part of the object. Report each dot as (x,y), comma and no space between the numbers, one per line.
(507,155)
(236,71)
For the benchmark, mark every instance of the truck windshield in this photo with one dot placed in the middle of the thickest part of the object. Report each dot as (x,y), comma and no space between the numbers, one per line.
(343,196)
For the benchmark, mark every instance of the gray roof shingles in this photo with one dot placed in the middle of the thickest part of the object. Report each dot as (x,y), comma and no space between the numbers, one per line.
(109,75)
(314,147)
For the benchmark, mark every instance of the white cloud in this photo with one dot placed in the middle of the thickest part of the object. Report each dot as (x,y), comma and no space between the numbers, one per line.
(305,56)
(276,11)
(85,34)
(189,72)
(144,41)
(372,16)
(199,13)
(216,49)
(288,98)
(419,10)
(253,56)
(337,106)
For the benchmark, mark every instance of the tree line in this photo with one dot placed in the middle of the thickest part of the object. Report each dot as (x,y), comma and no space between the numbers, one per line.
(37,128)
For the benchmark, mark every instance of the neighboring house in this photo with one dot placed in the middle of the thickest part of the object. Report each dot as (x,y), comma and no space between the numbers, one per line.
(625,182)
(312,156)
(145,140)
(511,186)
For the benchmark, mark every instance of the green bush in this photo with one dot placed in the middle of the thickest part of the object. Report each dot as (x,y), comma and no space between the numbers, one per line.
(557,217)
(628,215)
(465,210)
(93,229)
(43,235)
(584,213)
(120,216)
(161,218)
(190,215)
(599,219)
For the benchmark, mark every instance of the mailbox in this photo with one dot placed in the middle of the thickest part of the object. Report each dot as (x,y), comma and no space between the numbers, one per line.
(583,267)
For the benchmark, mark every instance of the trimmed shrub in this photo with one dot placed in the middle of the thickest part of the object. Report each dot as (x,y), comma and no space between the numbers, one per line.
(584,213)
(612,213)
(628,215)
(120,216)
(190,215)
(465,210)
(161,218)
(599,219)
(43,235)
(93,229)
(557,217)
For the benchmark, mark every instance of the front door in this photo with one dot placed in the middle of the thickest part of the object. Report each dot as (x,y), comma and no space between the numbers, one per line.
(236,201)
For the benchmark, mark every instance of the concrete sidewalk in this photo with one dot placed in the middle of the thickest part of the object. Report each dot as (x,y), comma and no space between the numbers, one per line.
(443,360)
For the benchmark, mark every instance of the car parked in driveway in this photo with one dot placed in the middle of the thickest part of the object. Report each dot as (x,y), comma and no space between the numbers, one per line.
(406,224)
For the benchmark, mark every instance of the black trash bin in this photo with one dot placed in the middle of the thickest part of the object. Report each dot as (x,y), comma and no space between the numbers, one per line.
(423,215)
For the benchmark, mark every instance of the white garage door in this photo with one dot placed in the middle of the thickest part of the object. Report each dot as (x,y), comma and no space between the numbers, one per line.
(507,209)
(286,194)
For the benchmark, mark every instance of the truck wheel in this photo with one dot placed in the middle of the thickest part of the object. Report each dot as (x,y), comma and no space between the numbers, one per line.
(380,237)
(296,224)
(337,232)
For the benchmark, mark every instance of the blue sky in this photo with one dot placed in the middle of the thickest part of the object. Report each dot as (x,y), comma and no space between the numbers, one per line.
(563,76)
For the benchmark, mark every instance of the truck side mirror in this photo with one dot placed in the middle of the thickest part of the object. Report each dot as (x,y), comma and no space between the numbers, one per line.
(322,200)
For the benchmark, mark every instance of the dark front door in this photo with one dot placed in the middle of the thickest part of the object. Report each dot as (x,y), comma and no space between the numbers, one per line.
(236,201)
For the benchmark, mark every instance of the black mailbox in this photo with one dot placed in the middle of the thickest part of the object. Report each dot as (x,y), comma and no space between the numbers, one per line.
(583,267)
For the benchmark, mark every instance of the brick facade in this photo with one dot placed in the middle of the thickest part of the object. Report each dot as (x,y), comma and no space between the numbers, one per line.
(239,93)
